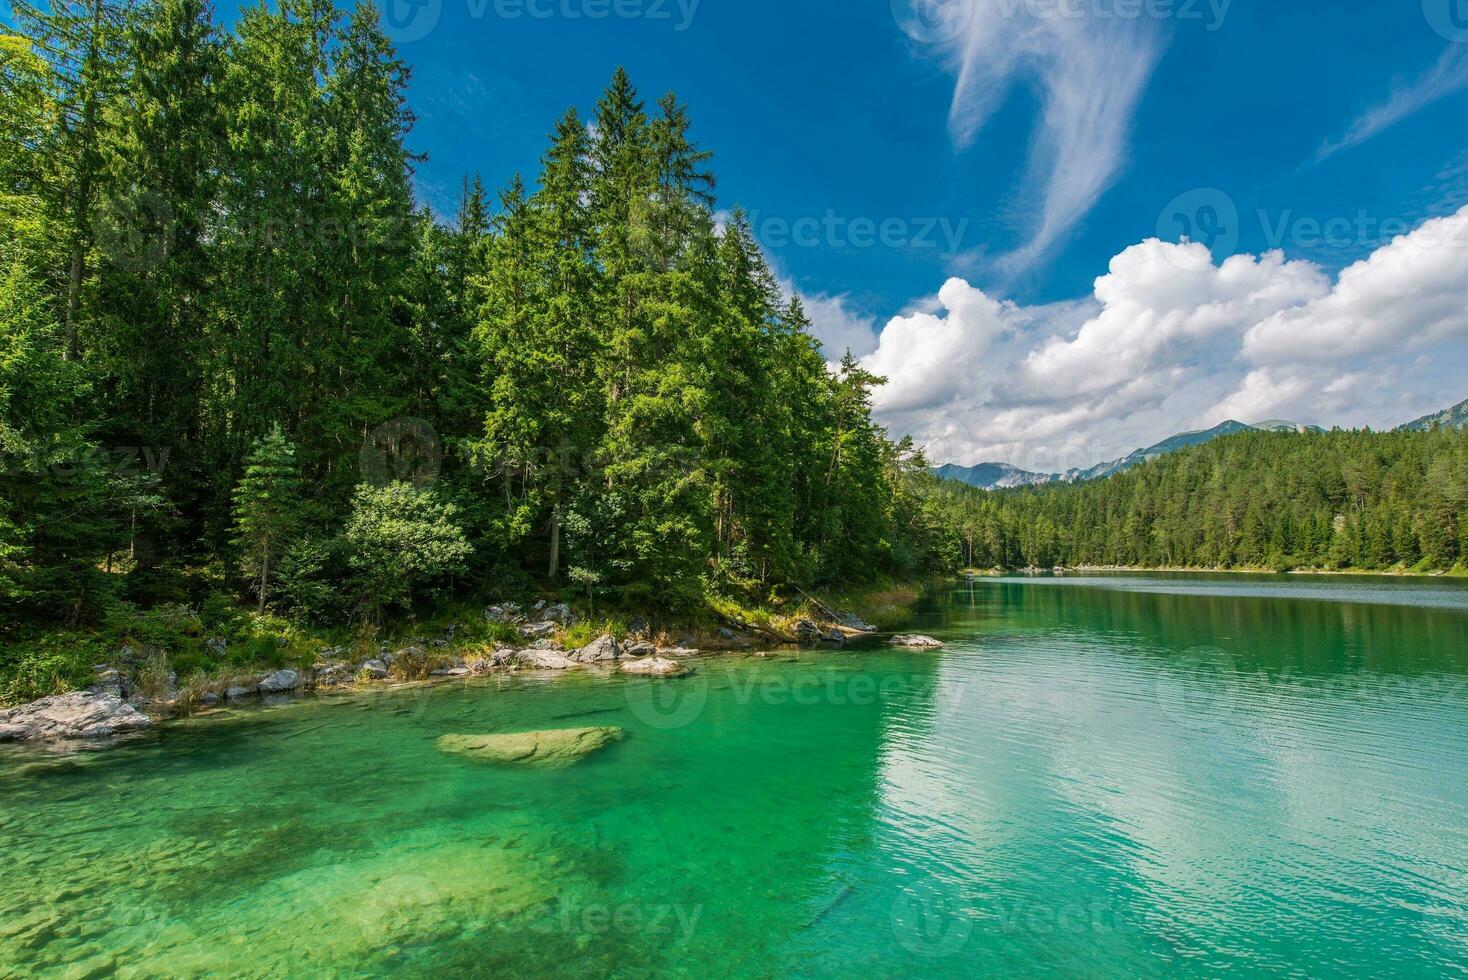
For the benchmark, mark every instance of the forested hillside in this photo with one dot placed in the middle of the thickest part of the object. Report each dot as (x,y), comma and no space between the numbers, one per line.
(237,357)
(1357,499)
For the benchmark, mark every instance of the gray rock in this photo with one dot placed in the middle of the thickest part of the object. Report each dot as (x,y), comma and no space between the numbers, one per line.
(375,669)
(914,641)
(603,649)
(834,637)
(677,652)
(280,682)
(639,648)
(535,631)
(854,622)
(807,631)
(560,613)
(209,699)
(81,714)
(113,682)
(332,674)
(507,612)
(543,660)
(655,667)
(236,693)
(546,644)
(216,646)
(451,672)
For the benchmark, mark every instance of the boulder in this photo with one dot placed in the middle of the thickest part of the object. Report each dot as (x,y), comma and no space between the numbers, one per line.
(640,648)
(332,674)
(834,637)
(604,649)
(236,693)
(543,660)
(507,612)
(536,631)
(655,667)
(113,682)
(374,669)
(853,622)
(547,749)
(546,644)
(560,613)
(81,714)
(216,646)
(914,641)
(280,682)
(806,631)
(677,652)
(451,672)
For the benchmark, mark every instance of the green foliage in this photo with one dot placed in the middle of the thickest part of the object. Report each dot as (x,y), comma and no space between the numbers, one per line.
(267,508)
(1281,500)
(400,541)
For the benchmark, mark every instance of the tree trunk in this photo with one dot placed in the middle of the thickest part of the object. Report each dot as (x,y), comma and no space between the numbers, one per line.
(555,541)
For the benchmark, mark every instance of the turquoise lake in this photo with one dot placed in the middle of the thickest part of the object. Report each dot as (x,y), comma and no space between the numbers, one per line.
(1115,775)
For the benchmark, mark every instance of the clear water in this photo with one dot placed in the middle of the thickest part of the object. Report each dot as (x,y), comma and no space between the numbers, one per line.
(1109,776)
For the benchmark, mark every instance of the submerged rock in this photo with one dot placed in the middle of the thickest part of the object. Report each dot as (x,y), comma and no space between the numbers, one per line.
(280,682)
(82,714)
(548,749)
(914,641)
(604,649)
(655,667)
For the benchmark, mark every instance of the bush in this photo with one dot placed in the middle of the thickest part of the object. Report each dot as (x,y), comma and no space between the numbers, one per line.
(401,542)
(51,665)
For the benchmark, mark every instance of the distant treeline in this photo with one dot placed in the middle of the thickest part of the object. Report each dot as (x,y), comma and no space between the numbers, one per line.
(1344,499)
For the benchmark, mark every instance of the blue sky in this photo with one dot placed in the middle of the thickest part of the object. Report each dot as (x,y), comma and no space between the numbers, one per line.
(945,181)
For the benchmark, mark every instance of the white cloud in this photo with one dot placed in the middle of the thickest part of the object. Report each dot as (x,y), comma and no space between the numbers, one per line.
(1090,72)
(1169,340)
(930,359)
(1409,293)
(1448,76)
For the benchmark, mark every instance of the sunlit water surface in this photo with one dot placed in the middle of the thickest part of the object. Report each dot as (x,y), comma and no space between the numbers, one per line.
(1100,776)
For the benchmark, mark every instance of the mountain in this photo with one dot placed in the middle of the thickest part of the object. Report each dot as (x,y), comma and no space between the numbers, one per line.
(993,476)
(1449,418)
(1000,476)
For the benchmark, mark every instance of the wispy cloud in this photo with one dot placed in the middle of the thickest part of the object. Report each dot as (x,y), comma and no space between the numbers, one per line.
(1090,72)
(1448,76)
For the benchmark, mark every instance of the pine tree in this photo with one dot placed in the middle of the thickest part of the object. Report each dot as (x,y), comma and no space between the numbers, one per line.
(267,509)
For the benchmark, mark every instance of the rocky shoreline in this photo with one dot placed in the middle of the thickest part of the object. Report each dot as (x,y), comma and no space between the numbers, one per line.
(116,705)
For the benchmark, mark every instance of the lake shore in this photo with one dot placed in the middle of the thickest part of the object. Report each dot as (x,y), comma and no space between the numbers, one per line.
(1455,573)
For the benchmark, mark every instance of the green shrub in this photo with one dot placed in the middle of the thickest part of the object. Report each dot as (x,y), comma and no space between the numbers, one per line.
(51,665)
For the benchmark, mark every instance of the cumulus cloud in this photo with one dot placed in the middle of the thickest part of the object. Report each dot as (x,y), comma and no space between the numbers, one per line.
(1448,76)
(1090,73)
(1170,340)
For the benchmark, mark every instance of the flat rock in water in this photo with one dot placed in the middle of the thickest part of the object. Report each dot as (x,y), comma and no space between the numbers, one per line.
(547,749)
(655,667)
(913,641)
(83,714)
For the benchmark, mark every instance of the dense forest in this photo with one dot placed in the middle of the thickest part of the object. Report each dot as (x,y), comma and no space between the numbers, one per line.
(240,361)
(237,356)
(1283,500)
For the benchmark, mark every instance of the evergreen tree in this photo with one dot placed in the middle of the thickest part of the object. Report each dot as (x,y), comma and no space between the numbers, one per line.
(267,509)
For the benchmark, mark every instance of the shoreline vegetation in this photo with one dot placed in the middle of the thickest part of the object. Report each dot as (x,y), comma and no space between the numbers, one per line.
(1456,572)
